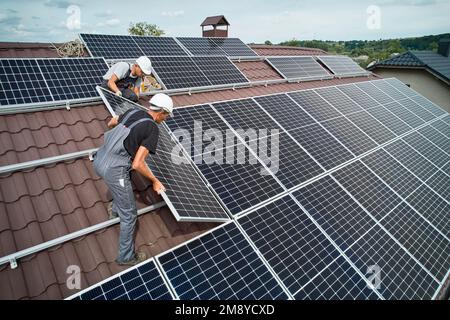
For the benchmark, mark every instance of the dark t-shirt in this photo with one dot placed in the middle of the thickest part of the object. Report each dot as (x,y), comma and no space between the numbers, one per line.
(144,134)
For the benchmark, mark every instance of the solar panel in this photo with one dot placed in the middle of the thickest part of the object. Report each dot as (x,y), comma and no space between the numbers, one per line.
(241,182)
(436,137)
(159,46)
(442,127)
(73,78)
(286,159)
(219,70)
(290,242)
(234,47)
(220,265)
(375,93)
(432,207)
(298,67)
(401,276)
(341,65)
(427,149)
(202,46)
(339,100)
(179,72)
(428,105)
(403,113)
(285,111)
(370,126)
(143,282)
(411,159)
(389,90)
(417,110)
(400,86)
(197,121)
(190,72)
(186,194)
(440,183)
(426,244)
(371,192)
(247,115)
(349,135)
(316,106)
(392,172)
(111,46)
(335,211)
(22,82)
(389,120)
(339,281)
(358,96)
(322,146)
(116,105)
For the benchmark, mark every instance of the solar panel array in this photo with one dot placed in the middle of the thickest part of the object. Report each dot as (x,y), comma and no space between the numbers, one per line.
(143,282)
(191,72)
(186,194)
(131,47)
(362,183)
(116,47)
(306,68)
(231,47)
(337,209)
(342,65)
(31,81)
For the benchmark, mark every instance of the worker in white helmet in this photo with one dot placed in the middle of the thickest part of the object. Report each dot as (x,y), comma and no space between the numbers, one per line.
(133,137)
(124,79)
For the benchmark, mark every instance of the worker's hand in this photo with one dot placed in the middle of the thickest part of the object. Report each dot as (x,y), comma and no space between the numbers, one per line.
(158,187)
(119,93)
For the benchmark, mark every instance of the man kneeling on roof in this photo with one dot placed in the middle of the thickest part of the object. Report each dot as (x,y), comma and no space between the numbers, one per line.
(133,136)
(124,79)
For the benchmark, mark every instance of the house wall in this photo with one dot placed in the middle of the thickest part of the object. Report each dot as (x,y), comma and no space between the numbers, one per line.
(421,81)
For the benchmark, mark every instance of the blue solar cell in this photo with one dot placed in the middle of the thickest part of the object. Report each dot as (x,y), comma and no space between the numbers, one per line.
(237,271)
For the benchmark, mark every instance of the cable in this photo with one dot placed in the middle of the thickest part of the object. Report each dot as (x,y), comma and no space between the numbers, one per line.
(70,49)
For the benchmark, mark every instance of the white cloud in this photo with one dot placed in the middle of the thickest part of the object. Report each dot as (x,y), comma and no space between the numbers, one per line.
(172,14)
(109,23)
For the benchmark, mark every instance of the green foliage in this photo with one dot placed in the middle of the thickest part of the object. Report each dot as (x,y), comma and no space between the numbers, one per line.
(267,42)
(376,50)
(145,29)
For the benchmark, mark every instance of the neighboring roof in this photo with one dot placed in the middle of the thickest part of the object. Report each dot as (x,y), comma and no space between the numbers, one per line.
(274,50)
(429,60)
(40,204)
(215,20)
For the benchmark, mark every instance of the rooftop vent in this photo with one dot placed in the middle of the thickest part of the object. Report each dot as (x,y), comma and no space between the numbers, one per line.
(216,26)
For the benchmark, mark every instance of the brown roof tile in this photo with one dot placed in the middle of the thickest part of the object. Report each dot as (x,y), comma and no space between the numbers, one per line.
(257,70)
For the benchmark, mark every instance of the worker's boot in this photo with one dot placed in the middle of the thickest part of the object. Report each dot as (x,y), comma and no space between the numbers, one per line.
(138,258)
(111,214)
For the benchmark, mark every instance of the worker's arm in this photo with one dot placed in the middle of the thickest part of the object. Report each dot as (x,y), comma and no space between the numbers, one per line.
(140,166)
(112,83)
(136,91)
(113,122)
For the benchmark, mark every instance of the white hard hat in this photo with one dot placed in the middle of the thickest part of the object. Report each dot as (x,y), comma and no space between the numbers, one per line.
(145,64)
(161,101)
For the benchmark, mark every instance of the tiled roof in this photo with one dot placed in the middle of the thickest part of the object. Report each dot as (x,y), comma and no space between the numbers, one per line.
(274,50)
(431,61)
(40,204)
(30,50)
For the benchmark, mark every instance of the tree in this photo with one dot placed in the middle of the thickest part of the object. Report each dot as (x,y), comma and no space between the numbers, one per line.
(268,43)
(145,29)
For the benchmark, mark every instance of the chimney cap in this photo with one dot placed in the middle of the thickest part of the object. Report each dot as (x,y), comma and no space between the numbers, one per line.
(215,21)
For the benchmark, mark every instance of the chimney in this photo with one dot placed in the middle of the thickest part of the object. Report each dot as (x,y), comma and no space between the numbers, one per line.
(216,26)
(444,47)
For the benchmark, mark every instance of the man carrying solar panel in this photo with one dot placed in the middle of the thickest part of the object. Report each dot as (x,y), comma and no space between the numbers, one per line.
(124,79)
(133,136)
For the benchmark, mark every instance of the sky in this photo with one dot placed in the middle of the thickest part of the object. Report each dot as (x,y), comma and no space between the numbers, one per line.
(254,21)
